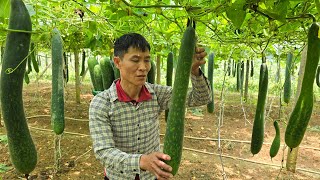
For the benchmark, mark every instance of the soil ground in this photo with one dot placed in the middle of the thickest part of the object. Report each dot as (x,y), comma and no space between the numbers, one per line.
(200,159)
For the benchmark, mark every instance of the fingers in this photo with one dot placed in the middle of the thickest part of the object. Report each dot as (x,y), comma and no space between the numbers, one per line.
(163,156)
(199,49)
(162,170)
(200,53)
(155,164)
(164,166)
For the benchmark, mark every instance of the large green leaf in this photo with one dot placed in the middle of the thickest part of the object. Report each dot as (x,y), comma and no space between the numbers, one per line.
(237,12)
(5,8)
(317,5)
(276,10)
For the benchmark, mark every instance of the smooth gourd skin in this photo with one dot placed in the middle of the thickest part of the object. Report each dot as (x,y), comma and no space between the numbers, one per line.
(287,82)
(21,147)
(173,139)
(258,124)
(57,95)
(302,111)
(275,146)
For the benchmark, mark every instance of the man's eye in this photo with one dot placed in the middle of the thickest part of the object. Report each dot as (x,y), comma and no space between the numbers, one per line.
(135,60)
(147,60)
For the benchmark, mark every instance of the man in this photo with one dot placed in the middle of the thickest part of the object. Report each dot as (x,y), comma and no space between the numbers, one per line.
(124,122)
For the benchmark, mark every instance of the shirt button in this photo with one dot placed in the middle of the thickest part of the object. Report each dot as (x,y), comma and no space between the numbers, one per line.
(121,172)
(138,125)
(138,138)
(134,170)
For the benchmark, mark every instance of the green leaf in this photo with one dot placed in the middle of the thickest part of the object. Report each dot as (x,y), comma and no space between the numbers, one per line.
(30,9)
(4,139)
(95,8)
(281,7)
(119,14)
(5,8)
(317,5)
(93,26)
(277,10)
(236,13)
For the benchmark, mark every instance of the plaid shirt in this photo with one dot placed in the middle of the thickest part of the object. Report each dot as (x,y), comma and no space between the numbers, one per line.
(122,132)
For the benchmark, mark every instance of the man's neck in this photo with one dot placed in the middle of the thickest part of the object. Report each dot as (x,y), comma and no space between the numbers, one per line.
(131,90)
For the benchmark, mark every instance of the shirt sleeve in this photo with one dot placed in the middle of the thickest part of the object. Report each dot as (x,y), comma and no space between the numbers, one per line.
(164,94)
(103,143)
(201,93)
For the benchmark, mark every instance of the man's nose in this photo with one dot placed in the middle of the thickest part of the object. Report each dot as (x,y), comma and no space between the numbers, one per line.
(143,66)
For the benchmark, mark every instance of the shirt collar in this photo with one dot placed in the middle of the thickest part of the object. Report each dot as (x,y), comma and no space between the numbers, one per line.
(123,97)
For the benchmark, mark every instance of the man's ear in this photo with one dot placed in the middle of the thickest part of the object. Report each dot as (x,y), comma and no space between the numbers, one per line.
(116,61)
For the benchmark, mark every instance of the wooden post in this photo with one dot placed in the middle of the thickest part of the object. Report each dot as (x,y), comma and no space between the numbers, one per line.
(293,152)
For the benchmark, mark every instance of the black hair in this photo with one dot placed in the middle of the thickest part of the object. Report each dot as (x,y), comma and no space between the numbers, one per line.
(134,40)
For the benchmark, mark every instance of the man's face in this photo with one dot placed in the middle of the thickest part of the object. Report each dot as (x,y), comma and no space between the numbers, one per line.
(134,66)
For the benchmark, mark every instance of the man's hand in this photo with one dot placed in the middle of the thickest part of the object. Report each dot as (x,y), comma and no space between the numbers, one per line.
(154,163)
(198,60)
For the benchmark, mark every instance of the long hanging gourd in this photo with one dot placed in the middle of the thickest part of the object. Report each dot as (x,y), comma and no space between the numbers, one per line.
(275,146)
(173,139)
(106,72)
(229,67)
(57,95)
(287,81)
(210,106)
(318,76)
(241,77)
(29,65)
(238,76)
(258,124)
(21,147)
(92,62)
(98,77)
(302,111)
(246,82)
(252,69)
(33,58)
(169,77)
(65,68)
(234,68)
(83,65)
(151,76)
